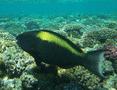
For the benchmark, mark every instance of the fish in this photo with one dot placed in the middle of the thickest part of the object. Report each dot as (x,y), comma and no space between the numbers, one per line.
(54,49)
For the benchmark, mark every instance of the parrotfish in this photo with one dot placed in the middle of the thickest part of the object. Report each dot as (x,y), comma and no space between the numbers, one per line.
(54,49)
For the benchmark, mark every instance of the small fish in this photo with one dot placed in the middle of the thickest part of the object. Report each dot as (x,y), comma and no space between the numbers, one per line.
(54,49)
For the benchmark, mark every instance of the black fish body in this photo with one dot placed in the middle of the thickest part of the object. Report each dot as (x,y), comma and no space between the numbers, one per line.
(56,55)
(55,49)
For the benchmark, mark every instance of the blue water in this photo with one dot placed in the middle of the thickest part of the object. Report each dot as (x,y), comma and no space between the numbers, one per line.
(57,7)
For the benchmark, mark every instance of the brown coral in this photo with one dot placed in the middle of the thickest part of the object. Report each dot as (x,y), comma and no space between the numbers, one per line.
(111,52)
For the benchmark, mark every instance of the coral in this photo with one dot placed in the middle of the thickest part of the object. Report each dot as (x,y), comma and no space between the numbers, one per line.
(111,54)
(13,26)
(32,25)
(14,61)
(61,32)
(4,21)
(111,24)
(110,83)
(14,58)
(19,64)
(73,30)
(6,36)
(29,81)
(80,75)
(89,39)
(92,20)
(10,84)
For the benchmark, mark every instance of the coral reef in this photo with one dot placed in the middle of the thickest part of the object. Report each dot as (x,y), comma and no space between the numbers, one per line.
(14,62)
(32,25)
(12,27)
(111,54)
(111,24)
(10,84)
(19,64)
(18,70)
(102,37)
(110,83)
(28,81)
(73,30)
(80,75)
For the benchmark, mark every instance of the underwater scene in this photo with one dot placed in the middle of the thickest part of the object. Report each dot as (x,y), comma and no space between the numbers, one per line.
(58,44)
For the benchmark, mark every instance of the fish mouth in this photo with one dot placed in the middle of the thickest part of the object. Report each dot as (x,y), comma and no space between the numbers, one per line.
(20,41)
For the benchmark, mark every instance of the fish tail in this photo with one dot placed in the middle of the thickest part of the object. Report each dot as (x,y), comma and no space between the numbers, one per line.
(95,62)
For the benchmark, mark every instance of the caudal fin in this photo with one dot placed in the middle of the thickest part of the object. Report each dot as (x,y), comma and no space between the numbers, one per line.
(95,62)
